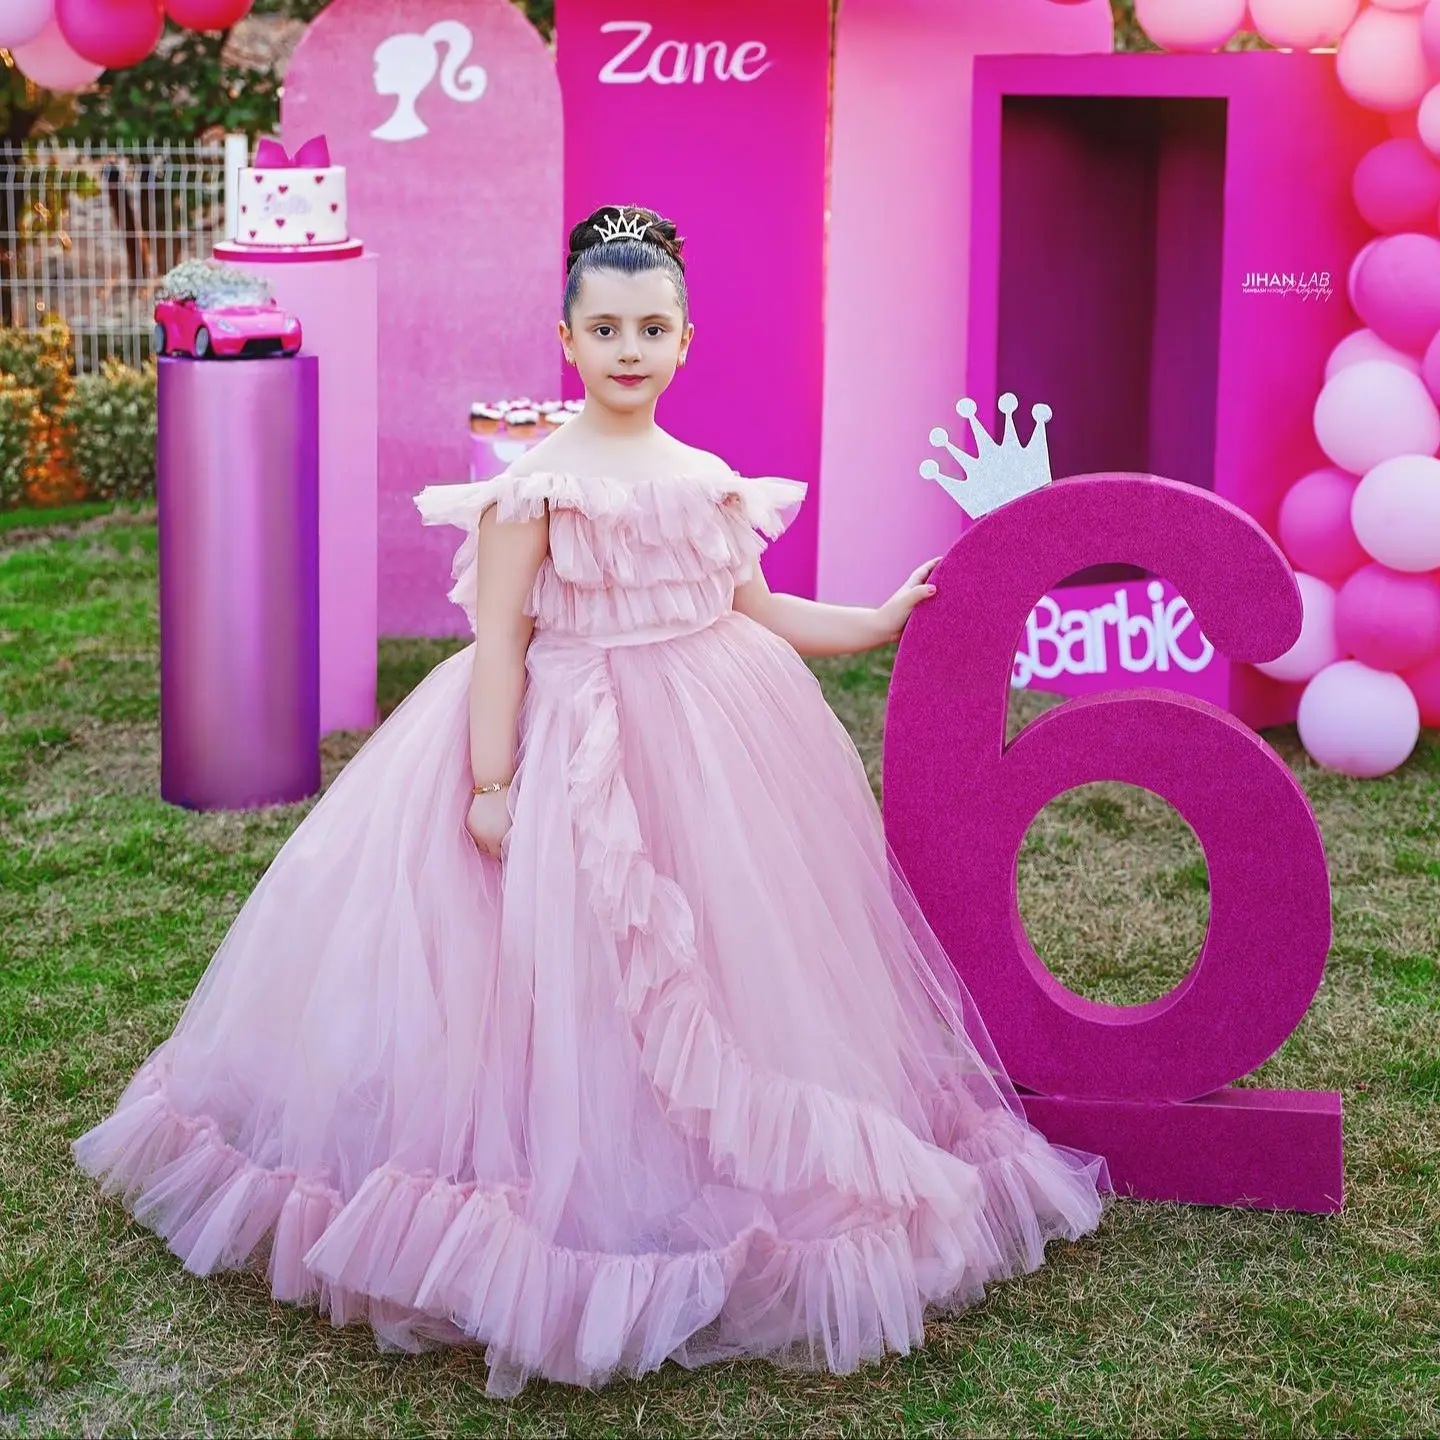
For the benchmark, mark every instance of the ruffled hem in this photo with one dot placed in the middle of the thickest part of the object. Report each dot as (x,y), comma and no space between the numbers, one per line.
(615,544)
(766,1131)
(429,1261)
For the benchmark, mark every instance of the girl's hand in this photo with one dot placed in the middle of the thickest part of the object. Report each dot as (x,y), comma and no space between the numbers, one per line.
(892,615)
(488,821)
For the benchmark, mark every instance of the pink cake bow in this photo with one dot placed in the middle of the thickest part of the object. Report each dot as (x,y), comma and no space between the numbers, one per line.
(314,154)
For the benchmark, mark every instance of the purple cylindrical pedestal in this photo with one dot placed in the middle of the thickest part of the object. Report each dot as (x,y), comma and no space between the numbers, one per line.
(237,490)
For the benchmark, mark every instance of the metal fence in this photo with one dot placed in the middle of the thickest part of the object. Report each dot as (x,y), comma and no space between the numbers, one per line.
(87,230)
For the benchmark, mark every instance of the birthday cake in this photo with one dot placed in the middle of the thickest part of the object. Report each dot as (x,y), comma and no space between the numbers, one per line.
(292,206)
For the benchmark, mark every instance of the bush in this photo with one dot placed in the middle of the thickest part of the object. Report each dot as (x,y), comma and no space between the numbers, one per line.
(22,432)
(111,421)
(38,361)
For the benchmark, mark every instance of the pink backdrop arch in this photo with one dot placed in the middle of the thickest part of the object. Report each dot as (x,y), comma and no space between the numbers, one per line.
(448,121)
(898,279)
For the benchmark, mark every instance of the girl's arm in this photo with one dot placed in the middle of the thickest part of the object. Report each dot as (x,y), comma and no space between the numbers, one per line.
(508,557)
(813,628)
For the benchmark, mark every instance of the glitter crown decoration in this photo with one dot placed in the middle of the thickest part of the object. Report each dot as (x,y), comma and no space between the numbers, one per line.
(995,474)
(622,229)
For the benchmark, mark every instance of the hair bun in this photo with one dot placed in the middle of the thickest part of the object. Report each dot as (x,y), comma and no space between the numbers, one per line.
(659,232)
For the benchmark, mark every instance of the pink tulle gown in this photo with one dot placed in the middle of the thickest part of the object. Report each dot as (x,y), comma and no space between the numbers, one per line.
(685,1075)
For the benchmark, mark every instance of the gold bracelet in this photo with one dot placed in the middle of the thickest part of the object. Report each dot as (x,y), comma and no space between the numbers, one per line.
(490,787)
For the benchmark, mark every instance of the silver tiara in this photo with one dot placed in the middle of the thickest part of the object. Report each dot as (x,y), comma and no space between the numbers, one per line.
(621,228)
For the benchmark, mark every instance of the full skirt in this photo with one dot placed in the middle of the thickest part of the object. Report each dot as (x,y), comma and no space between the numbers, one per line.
(685,1075)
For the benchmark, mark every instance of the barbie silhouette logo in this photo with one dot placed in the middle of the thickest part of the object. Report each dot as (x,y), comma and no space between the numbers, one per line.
(406,64)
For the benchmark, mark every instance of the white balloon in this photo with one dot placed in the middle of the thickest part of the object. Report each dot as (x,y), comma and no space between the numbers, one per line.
(1359,721)
(1427,122)
(1190,24)
(1302,24)
(1365,344)
(1381,63)
(1316,646)
(1396,513)
(1372,411)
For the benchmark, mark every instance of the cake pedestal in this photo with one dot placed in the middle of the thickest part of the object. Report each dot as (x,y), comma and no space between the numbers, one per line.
(236,492)
(338,305)
(491,454)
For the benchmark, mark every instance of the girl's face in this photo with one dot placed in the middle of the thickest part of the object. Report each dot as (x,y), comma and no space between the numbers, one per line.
(628,337)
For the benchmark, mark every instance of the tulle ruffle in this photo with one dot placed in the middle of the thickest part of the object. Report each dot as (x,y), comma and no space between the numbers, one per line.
(616,546)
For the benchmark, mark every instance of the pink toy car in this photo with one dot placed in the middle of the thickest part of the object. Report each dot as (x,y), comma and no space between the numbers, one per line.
(183,327)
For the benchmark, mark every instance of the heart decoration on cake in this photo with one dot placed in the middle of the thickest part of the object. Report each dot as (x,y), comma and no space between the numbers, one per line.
(319,225)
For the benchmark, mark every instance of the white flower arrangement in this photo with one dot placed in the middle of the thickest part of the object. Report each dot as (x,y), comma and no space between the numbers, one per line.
(210,282)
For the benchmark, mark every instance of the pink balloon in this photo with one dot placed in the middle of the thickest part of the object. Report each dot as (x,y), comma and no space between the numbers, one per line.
(1381,63)
(1399,4)
(1302,24)
(1366,345)
(1397,186)
(1430,33)
(208,14)
(1373,411)
(1316,646)
(49,61)
(1357,264)
(1359,721)
(1424,683)
(22,20)
(1190,24)
(1396,513)
(1397,290)
(112,33)
(1388,620)
(1315,529)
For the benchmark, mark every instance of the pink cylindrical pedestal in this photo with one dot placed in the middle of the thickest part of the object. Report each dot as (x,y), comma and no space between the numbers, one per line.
(338,305)
(237,491)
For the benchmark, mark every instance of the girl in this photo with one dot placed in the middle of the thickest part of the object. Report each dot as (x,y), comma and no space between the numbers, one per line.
(586,1016)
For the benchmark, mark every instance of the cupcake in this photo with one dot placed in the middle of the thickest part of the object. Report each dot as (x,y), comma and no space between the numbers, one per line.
(485,419)
(521,422)
(558,417)
(574,406)
(548,407)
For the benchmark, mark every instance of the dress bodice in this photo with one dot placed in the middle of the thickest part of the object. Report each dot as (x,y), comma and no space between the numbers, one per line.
(625,555)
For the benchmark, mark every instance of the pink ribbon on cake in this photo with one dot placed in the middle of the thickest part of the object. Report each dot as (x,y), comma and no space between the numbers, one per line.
(314,154)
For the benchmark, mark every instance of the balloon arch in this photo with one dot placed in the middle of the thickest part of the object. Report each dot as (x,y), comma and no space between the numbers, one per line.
(1364,533)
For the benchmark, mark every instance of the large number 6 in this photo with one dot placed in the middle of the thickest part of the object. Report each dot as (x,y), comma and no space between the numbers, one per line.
(958,802)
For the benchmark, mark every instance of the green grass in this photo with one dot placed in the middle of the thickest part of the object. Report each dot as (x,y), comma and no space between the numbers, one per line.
(1170,1320)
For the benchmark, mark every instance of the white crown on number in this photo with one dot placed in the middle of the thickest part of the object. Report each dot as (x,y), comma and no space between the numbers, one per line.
(622,229)
(995,474)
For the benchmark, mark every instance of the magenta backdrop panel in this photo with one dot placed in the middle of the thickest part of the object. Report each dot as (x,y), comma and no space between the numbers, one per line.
(714,112)
(899,261)
(238,503)
(1122,207)
(959,800)
(448,122)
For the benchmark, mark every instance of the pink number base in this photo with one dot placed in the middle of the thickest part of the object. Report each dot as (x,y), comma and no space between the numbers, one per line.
(1270,1149)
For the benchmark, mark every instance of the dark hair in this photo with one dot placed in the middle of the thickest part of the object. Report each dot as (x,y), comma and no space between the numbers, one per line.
(590,250)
